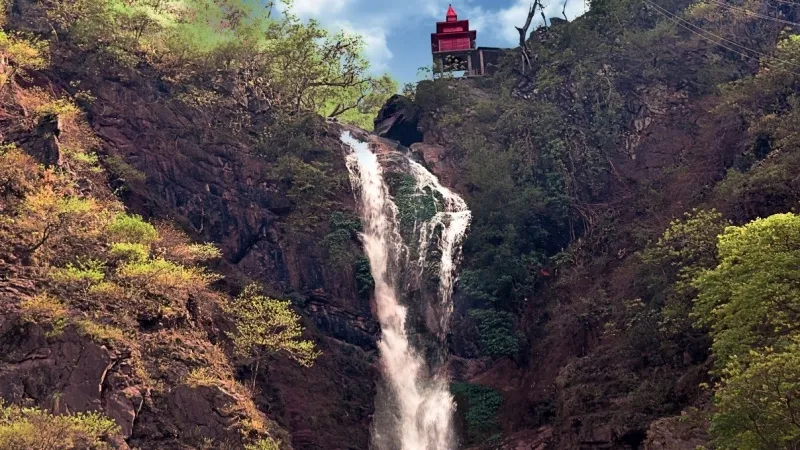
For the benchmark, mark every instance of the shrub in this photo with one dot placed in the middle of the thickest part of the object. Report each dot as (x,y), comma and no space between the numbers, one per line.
(751,303)
(86,273)
(364,281)
(264,444)
(86,158)
(193,253)
(32,428)
(51,224)
(265,326)
(61,108)
(688,244)
(47,310)
(496,330)
(343,229)
(478,405)
(130,252)
(202,376)
(756,401)
(24,54)
(751,300)
(18,171)
(131,229)
(164,278)
(123,171)
(99,332)
(311,188)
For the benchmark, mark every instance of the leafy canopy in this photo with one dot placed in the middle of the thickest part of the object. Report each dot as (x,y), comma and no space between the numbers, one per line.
(751,303)
(272,57)
(265,325)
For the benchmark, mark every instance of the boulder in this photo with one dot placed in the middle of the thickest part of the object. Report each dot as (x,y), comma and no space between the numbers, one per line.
(399,120)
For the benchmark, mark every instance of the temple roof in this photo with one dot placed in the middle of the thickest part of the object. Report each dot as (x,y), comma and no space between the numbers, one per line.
(451,14)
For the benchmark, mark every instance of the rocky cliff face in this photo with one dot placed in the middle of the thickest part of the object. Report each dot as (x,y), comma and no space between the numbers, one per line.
(193,167)
(206,179)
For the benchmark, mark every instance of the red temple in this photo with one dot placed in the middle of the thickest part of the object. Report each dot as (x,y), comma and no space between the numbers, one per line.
(454,50)
(453,34)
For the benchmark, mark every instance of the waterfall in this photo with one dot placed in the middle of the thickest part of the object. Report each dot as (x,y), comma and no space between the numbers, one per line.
(453,217)
(419,411)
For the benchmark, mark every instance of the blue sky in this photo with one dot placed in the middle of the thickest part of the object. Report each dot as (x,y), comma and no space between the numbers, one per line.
(397,32)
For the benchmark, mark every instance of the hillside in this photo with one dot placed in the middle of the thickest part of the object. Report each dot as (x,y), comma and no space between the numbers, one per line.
(181,261)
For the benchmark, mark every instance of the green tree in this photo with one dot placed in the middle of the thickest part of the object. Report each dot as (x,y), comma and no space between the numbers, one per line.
(751,300)
(751,303)
(266,326)
(758,404)
(270,57)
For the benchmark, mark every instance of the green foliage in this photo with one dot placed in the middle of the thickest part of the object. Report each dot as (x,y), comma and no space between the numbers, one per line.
(267,326)
(194,253)
(45,310)
(311,187)
(100,332)
(343,229)
(271,56)
(756,402)
(50,222)
(62,108)
(87,272)
(163,278)
(364,280)
(751,303)
(688,246)
(128,251)
(202,376)
(123,171)
(751,300)
(28,428)
(358,105)
(264,444)
(478,405)
(22,52)
(131,229)
(413,207)
(496,330)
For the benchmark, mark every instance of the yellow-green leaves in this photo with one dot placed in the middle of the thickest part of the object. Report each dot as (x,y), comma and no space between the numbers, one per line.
(751,302)
(45,310)
(29,428)
(757,402)
(265,325)
(131,229)
(752,298)
(21,53)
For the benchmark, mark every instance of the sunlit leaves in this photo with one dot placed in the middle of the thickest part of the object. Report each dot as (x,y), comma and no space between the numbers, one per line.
(265,326)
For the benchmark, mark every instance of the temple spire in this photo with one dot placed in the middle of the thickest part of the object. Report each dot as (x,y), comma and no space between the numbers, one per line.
(451,14)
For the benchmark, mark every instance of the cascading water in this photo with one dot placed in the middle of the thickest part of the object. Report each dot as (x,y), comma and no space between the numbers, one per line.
(453,218)
(419,408)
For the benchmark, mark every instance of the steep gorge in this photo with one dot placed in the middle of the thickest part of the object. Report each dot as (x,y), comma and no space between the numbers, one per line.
(553,338)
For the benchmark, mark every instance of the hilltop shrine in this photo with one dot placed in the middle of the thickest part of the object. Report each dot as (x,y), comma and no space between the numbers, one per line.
(454,48)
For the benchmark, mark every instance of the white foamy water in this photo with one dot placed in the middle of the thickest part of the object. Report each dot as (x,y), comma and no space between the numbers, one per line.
(421,407)
(453,216)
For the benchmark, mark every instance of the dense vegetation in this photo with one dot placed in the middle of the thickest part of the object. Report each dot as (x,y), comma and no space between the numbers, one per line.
(569,232)
(671,275)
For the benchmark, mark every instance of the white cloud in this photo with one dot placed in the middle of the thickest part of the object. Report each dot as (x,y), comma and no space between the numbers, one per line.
(376,46)
(316,8)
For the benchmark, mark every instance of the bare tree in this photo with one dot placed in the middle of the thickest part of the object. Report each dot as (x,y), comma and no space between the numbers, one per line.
(564,9)
(523,34)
